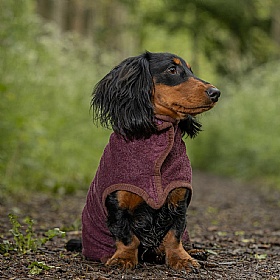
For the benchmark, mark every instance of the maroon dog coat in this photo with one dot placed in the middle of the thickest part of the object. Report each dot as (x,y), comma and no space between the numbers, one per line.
(150,168)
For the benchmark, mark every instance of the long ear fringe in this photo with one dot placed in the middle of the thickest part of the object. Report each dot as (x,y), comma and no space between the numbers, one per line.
(122,99)
(190,126)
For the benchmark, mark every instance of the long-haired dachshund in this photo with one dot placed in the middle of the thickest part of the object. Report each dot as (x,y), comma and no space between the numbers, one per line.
(136,205)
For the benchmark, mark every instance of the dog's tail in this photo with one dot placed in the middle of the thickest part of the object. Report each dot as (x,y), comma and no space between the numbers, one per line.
(74,245)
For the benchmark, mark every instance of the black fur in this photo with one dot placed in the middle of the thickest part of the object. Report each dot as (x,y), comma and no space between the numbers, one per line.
(190,126)
(126,100)
(118,220)
(149,225)
(123,98)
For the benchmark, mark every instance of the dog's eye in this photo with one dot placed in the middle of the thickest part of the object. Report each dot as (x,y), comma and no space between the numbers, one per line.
(172,70)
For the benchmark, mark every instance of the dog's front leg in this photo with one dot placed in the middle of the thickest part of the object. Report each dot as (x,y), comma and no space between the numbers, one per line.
(120,206)
(176,256)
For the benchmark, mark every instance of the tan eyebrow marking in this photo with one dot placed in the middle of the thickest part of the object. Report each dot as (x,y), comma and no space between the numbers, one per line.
(177,61)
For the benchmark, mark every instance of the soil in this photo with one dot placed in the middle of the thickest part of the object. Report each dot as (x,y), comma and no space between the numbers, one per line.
(237,224)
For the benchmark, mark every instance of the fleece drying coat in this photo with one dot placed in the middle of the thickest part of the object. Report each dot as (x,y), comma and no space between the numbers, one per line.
(150,168)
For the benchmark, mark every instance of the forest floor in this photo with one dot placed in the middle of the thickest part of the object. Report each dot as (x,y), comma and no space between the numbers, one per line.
(238,224)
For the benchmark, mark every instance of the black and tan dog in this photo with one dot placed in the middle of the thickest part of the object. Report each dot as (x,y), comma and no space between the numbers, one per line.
(137,203)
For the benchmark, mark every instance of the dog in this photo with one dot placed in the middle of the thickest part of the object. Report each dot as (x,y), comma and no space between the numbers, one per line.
(137,203)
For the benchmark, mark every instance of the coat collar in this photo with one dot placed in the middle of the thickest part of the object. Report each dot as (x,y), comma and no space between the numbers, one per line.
(163,122)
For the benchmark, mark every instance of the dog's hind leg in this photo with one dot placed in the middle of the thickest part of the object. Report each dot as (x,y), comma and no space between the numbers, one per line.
(120,206)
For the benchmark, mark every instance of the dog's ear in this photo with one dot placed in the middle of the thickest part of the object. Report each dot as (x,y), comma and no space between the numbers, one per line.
(122,99)
(190,126)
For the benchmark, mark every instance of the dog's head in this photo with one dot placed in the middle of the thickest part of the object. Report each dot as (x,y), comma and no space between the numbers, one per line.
(130,95)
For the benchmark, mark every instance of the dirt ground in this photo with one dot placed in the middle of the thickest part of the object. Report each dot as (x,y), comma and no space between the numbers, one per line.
(238,224)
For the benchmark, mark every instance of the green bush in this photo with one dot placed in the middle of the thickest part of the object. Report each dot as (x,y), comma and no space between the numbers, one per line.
(46,78)
(49,142)
(241,136)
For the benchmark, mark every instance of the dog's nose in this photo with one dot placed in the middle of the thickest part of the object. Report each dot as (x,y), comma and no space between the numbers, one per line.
(213,93)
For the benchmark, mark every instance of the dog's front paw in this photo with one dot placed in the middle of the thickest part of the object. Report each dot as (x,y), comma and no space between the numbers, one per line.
(126,256)
(176,256)
(181,261)
(123,260)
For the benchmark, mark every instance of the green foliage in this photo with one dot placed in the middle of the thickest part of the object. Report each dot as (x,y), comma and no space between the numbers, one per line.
(26,241)
(47,137)
(23,242)
(241,135)
(235,36)
(36,268)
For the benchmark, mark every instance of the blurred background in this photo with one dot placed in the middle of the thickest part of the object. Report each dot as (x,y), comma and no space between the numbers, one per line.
(52,52)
